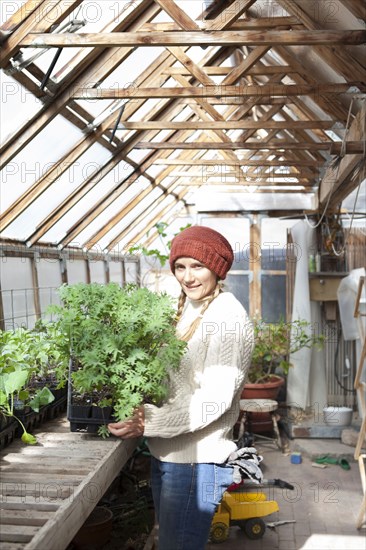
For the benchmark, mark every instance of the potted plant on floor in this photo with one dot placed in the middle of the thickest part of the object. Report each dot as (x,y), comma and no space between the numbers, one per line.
(122,343)
(270,364)
(274,343)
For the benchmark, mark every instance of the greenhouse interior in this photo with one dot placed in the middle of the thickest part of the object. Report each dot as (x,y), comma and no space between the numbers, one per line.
(162,159)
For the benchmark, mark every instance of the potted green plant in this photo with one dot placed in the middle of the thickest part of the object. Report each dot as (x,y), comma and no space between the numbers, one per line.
(274,344)
(122,343)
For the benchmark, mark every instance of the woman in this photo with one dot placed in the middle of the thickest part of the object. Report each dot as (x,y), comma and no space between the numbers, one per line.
(190,435)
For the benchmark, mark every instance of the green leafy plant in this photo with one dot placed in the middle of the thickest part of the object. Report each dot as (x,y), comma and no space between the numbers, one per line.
(27,359)
(274,343)
(162,257)
(122,342)
(12,383)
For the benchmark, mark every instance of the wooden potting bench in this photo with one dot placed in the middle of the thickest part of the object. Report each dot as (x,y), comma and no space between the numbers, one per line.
(48,490)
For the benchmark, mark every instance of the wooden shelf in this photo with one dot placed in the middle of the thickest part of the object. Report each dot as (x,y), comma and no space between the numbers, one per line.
(328,274)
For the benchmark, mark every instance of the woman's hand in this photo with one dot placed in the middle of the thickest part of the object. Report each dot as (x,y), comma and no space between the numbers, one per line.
(131,428)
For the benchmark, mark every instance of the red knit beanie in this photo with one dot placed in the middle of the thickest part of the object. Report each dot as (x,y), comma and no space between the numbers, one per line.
(205,245)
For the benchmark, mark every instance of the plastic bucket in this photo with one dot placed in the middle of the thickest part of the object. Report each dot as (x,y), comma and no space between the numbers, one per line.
(337,416)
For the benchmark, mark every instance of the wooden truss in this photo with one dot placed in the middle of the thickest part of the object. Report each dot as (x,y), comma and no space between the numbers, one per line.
(249,105)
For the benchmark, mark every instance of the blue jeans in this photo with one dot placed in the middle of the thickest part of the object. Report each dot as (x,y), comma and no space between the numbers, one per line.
(185,499)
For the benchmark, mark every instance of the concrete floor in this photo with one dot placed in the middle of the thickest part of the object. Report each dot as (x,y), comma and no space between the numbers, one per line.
(323,508)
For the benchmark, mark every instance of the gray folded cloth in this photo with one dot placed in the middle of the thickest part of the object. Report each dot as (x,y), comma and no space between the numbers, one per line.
(246,463)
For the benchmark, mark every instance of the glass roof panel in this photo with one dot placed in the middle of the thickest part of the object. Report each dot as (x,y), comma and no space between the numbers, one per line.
(36,158)
(41,207)
(129,238)
(126,73)
(13,95)
(121,172)
(130,218)
(105,216)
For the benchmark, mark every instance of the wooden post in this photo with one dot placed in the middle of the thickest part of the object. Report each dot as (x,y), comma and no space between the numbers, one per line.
(2,315)
(255,305)
(37,302)
(123,272)
(63,268)
(88,278)
(106,270)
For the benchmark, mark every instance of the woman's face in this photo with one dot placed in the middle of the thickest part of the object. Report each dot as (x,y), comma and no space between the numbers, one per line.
(196,280)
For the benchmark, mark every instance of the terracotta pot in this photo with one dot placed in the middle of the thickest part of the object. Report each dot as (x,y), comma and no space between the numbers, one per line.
(265,390)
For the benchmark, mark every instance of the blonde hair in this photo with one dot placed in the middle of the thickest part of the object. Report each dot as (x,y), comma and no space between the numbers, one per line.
(187,335)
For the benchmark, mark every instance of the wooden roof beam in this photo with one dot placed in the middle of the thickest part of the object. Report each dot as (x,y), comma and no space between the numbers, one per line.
(123,21)
(228,15)
(204,79)
(179,16)
(204,111)
(250,146)
(19,17)
(222,163)
(249,23)
(260,190)
(97,71)
(223,71)
(56,170)
(42,18)
(244,184)
(105,201)
(336,181)
(191,38)
(330,105)
(357,8)
(239,91)
(241,176)
(340,60)
(229,125)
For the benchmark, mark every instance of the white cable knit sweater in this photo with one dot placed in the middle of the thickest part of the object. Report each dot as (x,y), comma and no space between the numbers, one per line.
(195,423)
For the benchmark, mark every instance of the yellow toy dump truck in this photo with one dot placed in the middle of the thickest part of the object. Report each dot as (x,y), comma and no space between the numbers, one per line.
(245,509)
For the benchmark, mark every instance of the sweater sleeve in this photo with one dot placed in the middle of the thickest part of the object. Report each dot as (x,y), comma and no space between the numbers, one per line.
(223,374)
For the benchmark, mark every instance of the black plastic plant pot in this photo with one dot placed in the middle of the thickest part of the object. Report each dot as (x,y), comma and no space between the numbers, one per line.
(100,416)
(7,433)
(59,393)
(76,415)
(30,419)
(103,413)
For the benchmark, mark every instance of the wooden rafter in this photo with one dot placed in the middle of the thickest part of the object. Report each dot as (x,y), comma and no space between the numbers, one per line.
(218,91)
(340,60)
(47,14)
(219,162)
(198,38)
(264,87)
(229,125)
(336,181)
(99,66)
(277,145)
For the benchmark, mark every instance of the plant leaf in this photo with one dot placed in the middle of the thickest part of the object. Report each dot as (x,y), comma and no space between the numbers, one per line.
(29,439)
(14,381)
